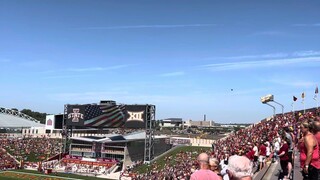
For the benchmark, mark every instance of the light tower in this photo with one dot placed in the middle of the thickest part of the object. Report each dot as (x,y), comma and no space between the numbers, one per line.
(266,99)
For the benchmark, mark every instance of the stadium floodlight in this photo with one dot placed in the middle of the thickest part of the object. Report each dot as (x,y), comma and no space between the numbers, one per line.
(266,99)
(270,98)
(280,105)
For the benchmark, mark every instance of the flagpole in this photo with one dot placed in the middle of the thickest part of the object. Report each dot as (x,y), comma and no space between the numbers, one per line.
(316,96)
(316,99)
(304,107)
(292,107)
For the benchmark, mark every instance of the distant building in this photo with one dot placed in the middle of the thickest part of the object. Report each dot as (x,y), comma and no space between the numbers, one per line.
(171,122)
(199,123)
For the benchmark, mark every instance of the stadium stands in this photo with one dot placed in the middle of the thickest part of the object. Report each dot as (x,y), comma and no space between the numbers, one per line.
(31,150)
(240,143)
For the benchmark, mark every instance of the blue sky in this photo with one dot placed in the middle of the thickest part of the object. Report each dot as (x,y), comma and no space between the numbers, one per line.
(183,56)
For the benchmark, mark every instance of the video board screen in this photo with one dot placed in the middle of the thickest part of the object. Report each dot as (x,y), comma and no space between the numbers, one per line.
(58,121)
(136,116)
(106,116)
(75,115)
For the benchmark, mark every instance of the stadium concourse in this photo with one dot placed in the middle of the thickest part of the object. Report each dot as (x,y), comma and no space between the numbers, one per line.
(42,152)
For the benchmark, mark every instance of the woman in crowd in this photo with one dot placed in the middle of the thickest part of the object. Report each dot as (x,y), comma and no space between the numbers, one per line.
(214,166)
(309,153)
(284,158)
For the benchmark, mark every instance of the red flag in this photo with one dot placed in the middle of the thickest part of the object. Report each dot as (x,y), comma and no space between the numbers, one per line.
(295,98)
(316,91)
(302,95)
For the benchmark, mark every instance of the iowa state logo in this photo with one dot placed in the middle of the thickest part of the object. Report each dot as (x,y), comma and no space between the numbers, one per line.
(76,115)
(135,116)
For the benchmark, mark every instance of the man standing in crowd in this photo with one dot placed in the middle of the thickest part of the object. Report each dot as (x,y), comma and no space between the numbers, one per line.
(256,154)
(289,140)
(284,158)
(262,155)
(204,173)
(276,149)
(239,168)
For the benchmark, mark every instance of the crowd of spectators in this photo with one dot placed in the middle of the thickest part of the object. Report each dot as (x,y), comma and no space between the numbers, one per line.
(194,132)
(84,169)
(6,161)
(260,142)
(177,166)
(122,131)
(29,148)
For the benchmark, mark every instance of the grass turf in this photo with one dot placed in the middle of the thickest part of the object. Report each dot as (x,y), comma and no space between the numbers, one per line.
(21,174)
(161,162)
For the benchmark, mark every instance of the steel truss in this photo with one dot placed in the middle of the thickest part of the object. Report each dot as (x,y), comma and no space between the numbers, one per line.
(17,114)
(149,141)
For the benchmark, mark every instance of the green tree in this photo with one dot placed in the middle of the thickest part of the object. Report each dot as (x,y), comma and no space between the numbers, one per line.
(37,115)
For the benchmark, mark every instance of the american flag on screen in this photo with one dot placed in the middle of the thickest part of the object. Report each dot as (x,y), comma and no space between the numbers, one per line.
(104,116)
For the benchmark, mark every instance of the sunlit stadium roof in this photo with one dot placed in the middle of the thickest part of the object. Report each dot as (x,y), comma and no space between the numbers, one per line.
(14,119)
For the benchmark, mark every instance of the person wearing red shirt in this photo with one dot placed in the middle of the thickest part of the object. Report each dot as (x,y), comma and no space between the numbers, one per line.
(284,158)
(250,153)
(262,155)
(204,172)
(309,152)
(314,169)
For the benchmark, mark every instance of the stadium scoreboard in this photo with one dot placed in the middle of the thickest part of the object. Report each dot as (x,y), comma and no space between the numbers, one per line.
(106,115)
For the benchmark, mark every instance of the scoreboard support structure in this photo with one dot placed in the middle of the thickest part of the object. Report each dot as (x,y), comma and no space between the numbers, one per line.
(149,140)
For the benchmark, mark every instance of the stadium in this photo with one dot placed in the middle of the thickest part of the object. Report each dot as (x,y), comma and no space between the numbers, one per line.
(67,145)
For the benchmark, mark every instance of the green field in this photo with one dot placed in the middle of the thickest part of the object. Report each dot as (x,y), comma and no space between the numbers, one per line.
(34,175)
(161,162)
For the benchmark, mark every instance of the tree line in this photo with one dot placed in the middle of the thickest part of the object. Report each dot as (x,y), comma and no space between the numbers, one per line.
(37,115)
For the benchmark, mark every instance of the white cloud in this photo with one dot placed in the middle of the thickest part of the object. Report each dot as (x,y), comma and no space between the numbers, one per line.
(150,26)
(248,91)
(257,56)
(306,53)
(260,64)
(307,25)
(269,33)
(120,96)
(287,81)
(97,68)
(65,76)
(178,73)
